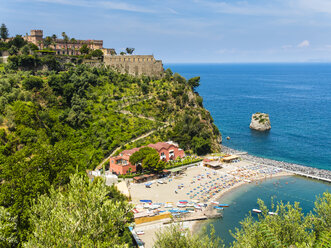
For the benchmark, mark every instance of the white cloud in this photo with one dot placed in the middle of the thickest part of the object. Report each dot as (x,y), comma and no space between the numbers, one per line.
(320,6)
(114,5)
(304,43)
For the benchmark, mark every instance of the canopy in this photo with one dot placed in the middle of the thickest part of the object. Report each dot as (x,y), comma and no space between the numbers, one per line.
(229,158)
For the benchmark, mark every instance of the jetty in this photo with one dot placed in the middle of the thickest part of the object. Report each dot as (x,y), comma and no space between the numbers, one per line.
(196,218)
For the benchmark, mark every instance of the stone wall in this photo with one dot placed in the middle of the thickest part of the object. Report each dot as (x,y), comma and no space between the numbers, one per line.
(135,64)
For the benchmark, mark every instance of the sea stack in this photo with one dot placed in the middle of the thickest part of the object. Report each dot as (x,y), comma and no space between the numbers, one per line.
(260,122)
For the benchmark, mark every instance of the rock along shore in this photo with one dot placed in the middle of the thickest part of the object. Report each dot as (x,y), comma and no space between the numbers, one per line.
(295,168)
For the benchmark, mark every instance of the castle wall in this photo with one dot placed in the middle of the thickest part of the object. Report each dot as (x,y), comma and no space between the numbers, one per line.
(135,64)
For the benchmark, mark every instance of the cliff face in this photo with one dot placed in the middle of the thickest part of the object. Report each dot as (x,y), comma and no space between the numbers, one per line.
(260,122)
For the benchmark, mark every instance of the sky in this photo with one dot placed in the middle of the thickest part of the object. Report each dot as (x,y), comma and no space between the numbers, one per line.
(190,31)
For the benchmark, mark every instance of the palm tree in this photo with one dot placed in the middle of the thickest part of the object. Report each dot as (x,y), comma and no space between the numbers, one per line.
(39,43)
(47,41)
(54,37)
(73,41)
(66,40)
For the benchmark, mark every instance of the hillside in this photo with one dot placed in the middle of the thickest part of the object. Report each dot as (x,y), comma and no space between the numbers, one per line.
(92,111)
(55,123)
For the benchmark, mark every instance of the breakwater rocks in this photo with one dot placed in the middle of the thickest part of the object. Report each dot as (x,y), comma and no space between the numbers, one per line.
(295,168)
(260,122)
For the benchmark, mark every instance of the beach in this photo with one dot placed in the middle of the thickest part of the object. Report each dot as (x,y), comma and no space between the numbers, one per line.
(197,184)
(290,167)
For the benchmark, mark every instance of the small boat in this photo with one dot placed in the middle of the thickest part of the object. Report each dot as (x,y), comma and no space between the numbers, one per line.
(181,205)
(218,208)
(140,232)
(257,210)
(223,205)
(215,202)
(272,213)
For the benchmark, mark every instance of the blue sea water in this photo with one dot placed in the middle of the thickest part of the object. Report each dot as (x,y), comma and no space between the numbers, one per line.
(297,98)
(244,199)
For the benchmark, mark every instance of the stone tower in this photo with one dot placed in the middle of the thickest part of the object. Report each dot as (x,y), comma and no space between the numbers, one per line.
(35,36)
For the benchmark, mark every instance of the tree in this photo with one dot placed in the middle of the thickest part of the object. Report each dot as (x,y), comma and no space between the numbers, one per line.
(175,236)
(13,50)
(32,82)
(73,41)
(65,40)
(4,32)
(80,215)
(84,49)
(194,82)
(201,146)
(25,50)
(54,37)
(168,74)
(47,41)
(149,158)
(7,229)
(129,50)
(97,53)
(289,228)
(18,41)
(122,53)
(140,155)
(179,78)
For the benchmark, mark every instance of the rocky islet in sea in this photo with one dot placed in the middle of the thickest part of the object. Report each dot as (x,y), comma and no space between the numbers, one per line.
(260,122)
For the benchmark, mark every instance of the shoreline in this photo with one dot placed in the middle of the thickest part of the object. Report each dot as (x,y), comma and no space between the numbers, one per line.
(251,164)
(197,226)
(301,170)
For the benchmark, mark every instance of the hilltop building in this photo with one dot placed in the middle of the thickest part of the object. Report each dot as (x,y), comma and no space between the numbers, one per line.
(121,164)
(70,47)
(132,64)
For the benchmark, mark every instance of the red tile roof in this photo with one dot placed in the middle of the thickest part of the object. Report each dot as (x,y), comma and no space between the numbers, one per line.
(159,145)
(131,151)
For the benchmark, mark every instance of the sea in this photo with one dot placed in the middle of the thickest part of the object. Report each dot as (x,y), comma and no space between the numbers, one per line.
(297,98)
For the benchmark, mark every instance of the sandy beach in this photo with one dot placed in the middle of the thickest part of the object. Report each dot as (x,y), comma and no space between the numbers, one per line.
(196,184)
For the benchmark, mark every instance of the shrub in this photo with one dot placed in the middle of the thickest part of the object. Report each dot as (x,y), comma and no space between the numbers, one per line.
(32,82)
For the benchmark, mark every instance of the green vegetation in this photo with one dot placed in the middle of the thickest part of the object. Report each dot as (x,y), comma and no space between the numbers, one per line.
(58,122)
(4,32)
(261,117)
(182,161)
(175,236)
(149,159)
(129,50)
(84,215)
(290,228)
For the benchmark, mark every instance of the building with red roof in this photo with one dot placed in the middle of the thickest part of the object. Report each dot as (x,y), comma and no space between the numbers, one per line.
(121,165)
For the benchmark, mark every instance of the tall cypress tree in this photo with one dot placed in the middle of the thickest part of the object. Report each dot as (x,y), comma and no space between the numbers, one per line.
(4,32)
